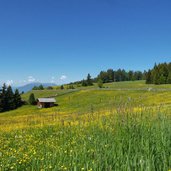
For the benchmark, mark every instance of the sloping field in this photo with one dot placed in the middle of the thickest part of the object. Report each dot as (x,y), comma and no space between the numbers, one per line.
(124,126)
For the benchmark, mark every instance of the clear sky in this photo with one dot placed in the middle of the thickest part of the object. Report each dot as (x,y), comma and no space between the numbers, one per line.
(64,40)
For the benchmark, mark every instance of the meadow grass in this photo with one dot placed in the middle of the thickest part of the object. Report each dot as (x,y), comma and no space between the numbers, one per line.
(91,129)
(119,141)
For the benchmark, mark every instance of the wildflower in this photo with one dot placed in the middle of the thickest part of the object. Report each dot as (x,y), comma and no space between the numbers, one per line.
(34,152)
(12,167)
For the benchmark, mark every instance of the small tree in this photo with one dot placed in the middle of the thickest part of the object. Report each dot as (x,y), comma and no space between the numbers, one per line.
(100,83)
(35,88)
(84,83)
(41,87)
(62,87)
(49,88)
(71,86)
(32,99)
(89,80)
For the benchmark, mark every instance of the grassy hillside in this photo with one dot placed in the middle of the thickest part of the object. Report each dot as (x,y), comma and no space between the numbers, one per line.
(124,126)
(86,100)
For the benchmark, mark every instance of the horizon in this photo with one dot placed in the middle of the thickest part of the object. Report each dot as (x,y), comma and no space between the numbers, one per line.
(62,41)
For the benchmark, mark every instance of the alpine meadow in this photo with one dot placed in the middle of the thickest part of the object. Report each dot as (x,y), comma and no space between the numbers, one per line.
(85,85)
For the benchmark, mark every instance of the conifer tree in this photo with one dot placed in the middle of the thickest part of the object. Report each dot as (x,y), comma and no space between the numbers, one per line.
(41,87)
(148,77)
(32,99)
(4,100)
(89,80)
(1,107)
(62,87)
(84,83)
(17,99)
(10,99)
(169,78)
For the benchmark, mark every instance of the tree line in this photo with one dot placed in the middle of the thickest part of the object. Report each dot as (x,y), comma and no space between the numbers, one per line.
(120,75)
(160,74)
(113,76)
(40,87)
(9,100)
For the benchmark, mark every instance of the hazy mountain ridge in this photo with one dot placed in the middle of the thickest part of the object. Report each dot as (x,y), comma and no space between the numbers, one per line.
(29,87)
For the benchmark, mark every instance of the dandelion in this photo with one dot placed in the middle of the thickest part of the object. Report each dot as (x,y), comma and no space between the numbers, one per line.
(12,167)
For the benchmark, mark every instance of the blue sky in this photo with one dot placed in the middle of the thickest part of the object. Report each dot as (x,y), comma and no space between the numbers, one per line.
(64,40)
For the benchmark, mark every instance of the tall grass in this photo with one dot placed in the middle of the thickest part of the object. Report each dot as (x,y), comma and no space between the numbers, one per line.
(133,141)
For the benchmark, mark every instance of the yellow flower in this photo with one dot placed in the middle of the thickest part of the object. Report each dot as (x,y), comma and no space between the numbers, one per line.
(11,167)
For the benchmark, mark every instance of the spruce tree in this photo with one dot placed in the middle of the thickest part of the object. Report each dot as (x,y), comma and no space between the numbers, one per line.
(169,78)
(32,100)
(148,77)
(160,74)
(84,83)
(110,75)
(41,87)
(1,107)
(4,100)
(62,87)
(89,80)
(17,99)
(10,99)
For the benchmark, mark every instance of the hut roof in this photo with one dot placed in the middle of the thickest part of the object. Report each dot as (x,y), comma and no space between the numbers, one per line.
(47,100)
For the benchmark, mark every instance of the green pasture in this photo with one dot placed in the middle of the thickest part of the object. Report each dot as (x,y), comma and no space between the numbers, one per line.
(124,126)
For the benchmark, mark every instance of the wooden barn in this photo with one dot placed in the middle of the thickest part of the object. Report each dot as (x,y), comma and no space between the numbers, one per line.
(46,102)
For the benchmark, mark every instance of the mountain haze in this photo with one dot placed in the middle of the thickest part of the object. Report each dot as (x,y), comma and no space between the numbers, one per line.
(29,87)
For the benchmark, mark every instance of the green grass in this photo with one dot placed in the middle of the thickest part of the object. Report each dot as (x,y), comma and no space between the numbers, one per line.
(82,100)
(137,85)
(124,126)
(117,142)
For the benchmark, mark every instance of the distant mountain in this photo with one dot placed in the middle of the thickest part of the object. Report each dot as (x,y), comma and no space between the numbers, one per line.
(29,87)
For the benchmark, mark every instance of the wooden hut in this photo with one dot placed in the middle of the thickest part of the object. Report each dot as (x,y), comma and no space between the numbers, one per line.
(46,102)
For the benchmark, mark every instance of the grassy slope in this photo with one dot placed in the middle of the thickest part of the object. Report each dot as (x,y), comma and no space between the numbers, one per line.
(121,141)
(88,100)
(83,100)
